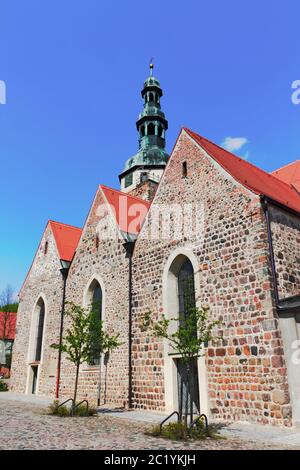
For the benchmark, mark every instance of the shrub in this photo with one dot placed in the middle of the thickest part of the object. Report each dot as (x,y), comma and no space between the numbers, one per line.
(3,386)
(81,411)
(55,410)
(180,432)
(65,411)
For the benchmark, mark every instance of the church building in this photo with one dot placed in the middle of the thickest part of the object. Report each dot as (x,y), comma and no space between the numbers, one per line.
(201,217)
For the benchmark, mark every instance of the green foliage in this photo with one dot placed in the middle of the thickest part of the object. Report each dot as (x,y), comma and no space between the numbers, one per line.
(75,343)
(12,308)
(82,411)
(193,332)
(99,340)
(3,386)
(179,431)
(64,411)
(85,338)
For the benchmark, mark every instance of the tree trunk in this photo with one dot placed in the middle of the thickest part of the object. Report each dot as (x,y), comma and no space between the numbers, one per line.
(100,380)
(190,382)
(76,386)
(187,397)
(181,400)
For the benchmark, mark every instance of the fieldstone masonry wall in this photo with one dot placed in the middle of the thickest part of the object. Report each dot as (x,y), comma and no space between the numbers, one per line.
(246,372)
(145,190)
(44,279)
(285,229)
(109,265)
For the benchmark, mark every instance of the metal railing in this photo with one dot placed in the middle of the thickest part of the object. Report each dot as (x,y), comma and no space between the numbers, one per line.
(74,406)
(167,419)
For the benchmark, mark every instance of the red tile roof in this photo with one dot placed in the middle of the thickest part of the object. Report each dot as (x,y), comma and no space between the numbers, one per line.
(290,174)
(250,176)
(67,238)
(130,211)
(8,325)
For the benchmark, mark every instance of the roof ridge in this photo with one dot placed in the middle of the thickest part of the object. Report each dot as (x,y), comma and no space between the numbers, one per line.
(270,175)
(285,166)
(62,223)
(125,194)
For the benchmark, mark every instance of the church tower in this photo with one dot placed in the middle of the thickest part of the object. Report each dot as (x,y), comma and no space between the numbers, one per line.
(143,171)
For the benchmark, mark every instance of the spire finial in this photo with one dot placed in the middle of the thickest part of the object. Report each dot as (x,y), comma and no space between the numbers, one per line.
(151,65)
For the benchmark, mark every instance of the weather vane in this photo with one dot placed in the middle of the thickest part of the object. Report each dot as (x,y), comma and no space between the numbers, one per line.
(151,65)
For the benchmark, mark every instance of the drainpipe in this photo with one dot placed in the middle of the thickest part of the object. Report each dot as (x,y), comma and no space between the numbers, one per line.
(271,250)
(129,247)
(64,272)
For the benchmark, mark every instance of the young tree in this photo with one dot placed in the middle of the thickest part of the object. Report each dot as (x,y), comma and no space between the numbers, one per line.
(84,338)
(194,330)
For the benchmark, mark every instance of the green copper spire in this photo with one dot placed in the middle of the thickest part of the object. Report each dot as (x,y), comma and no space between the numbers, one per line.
(151,126)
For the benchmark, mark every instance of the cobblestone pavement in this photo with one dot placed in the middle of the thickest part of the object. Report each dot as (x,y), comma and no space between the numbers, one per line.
(28,426)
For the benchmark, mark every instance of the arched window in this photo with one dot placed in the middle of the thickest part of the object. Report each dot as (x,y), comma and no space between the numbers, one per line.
(160,131)
(39,330)
(151,97)
(151,129)
(186,289)
(95,298)
(142,131)
(94,301)
(187,304)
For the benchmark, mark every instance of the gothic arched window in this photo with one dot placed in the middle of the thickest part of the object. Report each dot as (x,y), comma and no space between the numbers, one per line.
(186,289)
(96,298)
(94,301)
(151,129)
(39,330)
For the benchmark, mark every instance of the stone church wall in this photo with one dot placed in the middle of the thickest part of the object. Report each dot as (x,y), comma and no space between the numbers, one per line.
(105,261)
(285,229)
(246,372)
(44,279)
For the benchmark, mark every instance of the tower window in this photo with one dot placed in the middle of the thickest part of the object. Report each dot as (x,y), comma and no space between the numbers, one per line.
(46,248)
(128,180)
(184,169)
(160,131)
(151,97)
(151,129)
(144,177)
(142,131)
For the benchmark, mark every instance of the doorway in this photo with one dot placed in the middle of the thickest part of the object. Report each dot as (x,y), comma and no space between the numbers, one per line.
(34,375)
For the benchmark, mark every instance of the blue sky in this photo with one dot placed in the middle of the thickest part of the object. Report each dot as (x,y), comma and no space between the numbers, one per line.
(74,70)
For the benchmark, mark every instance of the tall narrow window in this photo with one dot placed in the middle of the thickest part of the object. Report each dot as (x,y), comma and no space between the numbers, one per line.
(40,330)
(187,304)
(186,289)
(184,169)
(95,301)
(151,129)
